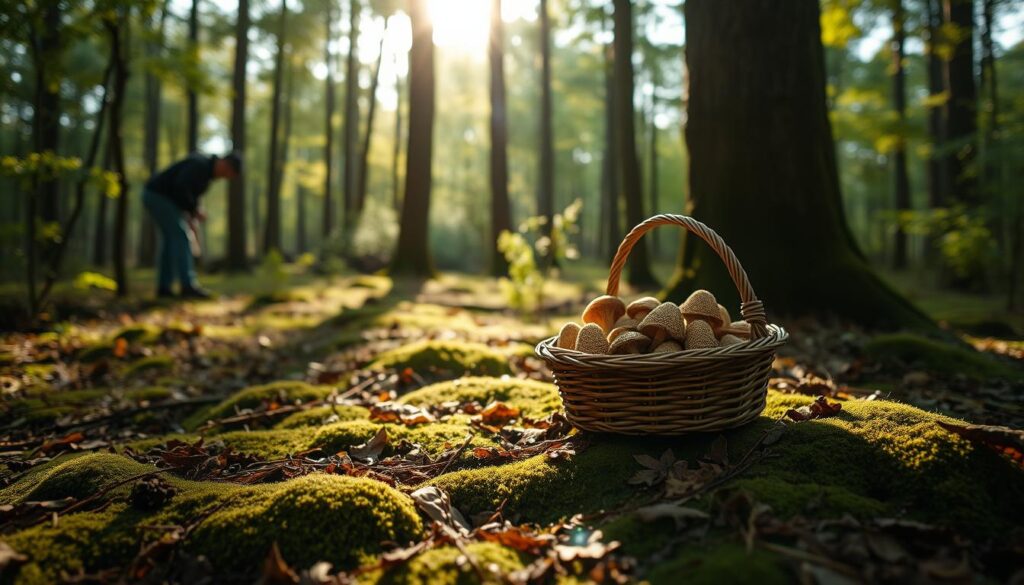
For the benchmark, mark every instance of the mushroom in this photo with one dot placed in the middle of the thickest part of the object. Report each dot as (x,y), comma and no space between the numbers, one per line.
(725,316)
(614,333)
(699,335)
(668,346)
(664,322)
(702,306)
(625,321)
(591,339)
(729,339)
(639,308)
(567,336)
(737,328)
(605,310)
(630,342)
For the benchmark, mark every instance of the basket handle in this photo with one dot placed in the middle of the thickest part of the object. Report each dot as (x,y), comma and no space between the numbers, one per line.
(750,307)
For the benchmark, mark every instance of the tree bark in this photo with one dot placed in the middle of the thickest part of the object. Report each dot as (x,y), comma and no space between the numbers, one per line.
(936,177)
(396,183)
(151,144)
(351,122)
(117,31)
(962,124)
(546,186)
(327,218)
(237,254)
(655,189)
(638,268)
(300,220)
(46,104)
(501,214)
(101,234)
(272,235)
(364,152)
(412,254)
(763,170)
(609,164)
(193,97)
(901,179)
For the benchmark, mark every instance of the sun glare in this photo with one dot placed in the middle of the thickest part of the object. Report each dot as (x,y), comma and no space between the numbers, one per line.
(461,24)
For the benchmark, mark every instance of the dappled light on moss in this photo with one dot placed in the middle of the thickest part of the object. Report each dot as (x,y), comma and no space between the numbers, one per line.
(450,357)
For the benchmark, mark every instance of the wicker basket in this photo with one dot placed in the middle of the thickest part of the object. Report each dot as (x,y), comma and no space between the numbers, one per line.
(677,393)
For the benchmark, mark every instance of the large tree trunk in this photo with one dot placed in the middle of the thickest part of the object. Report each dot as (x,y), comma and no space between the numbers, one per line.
(117,29)
(612,233)
(46,104)
(193,97)
(364,153)
(350,144)
(237,256)
(632,188)
(412,254)
(763,170)
(962,123)
(501,214)
(272,235)
(937,181)
(901,180)
(151,141)
(327,218)
(546,186)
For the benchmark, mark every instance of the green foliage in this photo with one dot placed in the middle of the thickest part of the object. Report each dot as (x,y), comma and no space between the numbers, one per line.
(94,280)
(963,239)
(273,271)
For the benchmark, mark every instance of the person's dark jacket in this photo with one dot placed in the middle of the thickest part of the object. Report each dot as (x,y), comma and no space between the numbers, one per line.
(185,181)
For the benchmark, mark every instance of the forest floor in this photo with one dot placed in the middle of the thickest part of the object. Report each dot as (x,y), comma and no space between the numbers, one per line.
(356,428)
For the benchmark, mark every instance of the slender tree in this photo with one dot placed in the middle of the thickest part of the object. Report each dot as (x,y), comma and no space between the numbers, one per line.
(117,30)
(46,42)
(272,235)
(937,181)
(609,161)
(901,179)
(501,214)
(639,270)
(350,146)
(193,96)
(655,187)
(763,171)
(151,138)
(327,215)
(546,186)
(237,256)
(961,111)
(412,254)
(363,174)
(396,154)
(101,235)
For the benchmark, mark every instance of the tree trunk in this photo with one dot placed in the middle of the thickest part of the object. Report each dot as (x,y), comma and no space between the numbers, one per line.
(546,186)
(936,176)
(46,105)
(193,97)
(962,124)
(101,234)
(237,255)
(300,220)
(655,187)
(327,219)
(117,30)
(351,132)
(899,156)
(632,188)
(364,152)
(609,164)
(272,235)
(396,183)
(501,214)
(412,254)
(151,141)
(763,171)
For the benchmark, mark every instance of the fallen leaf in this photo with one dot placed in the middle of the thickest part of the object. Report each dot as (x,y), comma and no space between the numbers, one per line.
(276,570)
(820,408)
(681,515)
(10,557)
(1004,440)
(120,347)
(435,503)
(370,451)
(498,414)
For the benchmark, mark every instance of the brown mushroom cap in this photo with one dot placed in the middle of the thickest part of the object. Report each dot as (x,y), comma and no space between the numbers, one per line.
(567,336)
(639,308)
(591,339)
(729,339)
(738,328)
(605,310)
(668,346)
(724,313)
(617,332)
(699,335)
(625,321)
(701,305)
(664,322)
(630,342)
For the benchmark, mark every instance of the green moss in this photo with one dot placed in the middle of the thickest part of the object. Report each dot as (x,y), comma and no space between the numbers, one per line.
(936,356)
(96,352)
(723,563)
(440,566)
(449,357)
(76,476)
(434,437)
(330,518)
(139,333)
(322,415)
(790,498)
(284,392)
(151,393)
(535,399)
(150,363)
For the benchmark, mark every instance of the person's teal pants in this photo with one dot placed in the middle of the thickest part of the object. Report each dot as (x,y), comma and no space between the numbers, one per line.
(175,258)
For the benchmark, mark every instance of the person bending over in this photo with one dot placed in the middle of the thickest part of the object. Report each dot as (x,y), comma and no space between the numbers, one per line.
(172,199)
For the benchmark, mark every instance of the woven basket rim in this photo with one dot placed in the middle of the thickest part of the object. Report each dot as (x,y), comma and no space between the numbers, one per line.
(548,350)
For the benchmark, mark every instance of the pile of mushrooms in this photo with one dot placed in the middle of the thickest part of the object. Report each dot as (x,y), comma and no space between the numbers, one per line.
(648,325)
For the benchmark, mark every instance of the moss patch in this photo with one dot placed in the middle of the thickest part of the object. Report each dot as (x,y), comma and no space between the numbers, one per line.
(151,363)
(535,399)
(936,356)
(446,357)
(725,563)
(323,415)
(440,566)
(283,392)
(76,476)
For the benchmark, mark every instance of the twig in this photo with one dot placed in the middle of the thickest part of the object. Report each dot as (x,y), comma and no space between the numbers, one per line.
(457,453)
